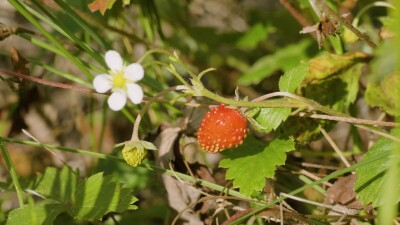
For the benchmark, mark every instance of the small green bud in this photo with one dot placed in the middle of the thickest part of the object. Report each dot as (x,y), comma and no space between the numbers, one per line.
(134,152)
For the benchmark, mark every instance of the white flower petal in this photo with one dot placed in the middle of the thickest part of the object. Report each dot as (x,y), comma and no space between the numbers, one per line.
(135,93)
(113,60)
(134,72)
(102,83)
(117,100)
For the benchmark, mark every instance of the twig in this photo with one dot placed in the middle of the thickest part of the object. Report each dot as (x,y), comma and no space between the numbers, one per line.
(349,120)
(313,176)
(46,82)
(334,146)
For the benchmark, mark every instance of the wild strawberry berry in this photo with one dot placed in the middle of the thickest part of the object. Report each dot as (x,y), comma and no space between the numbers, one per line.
(222,128)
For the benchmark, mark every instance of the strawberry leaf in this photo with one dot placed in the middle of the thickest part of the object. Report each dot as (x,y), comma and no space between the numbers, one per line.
(252,162)
(64,191)
(43,213)
(371,178)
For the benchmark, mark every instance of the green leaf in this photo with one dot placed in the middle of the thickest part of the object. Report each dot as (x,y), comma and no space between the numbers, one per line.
(268,119)
(340,73)
(371,178)
(252,162)
(43,213)
(292,79)
(285,59)
(100,195)
(385,94)
(256,34)
(82,199)
(329,65)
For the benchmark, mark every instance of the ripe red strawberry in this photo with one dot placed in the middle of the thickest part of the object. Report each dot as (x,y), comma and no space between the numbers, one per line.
(222,128)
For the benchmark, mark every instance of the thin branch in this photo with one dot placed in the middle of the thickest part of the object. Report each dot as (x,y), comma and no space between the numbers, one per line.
(334,146)
(46,82)
(302,21)
(349,120)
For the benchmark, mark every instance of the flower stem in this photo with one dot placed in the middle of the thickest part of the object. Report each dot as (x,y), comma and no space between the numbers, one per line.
(135,132)
(172,56)
(177,75)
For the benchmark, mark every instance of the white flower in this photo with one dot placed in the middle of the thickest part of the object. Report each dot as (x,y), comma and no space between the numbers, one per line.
(121,80)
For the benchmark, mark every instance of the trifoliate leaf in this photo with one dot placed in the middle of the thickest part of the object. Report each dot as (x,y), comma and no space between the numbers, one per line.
(254,161)
(372,177)
(64,191)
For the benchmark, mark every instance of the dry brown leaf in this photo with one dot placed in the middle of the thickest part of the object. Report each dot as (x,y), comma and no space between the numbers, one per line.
(180,194)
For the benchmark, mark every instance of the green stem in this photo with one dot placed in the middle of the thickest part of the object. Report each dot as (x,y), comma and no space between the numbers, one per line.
(13,173)
(145,165)
(152,51)
(263,104)
(177,75)
(173,58)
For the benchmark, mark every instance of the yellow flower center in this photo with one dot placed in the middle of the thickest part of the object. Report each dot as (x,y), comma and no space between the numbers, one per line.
(119,80)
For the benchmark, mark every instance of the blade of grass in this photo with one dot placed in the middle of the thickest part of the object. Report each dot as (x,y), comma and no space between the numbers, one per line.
(21,9)
(13,173)
(62,29)
(63,74)
(83,24)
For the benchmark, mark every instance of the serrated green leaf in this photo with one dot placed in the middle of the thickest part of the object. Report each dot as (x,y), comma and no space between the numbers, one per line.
(43,213)
(371,178)
(254,161)
(83,199)
(285,59)
(100,195)
(56,184)
(293,78)
(269,119)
